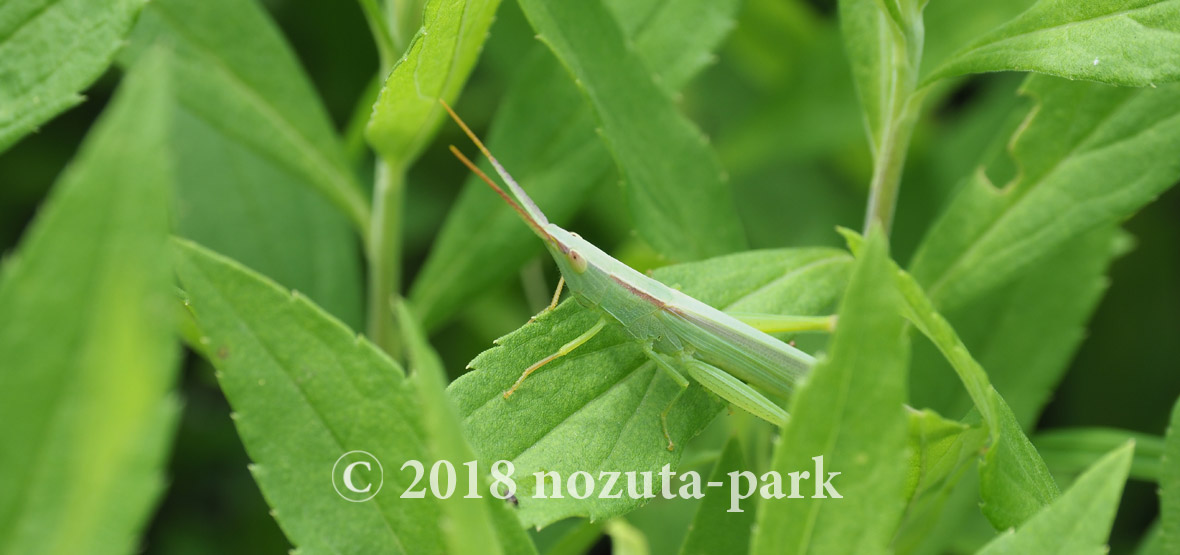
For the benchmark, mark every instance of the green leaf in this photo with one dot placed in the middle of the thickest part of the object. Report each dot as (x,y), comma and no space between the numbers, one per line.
(1025,334)
(1170,485)
(305,390)
(554,153)
(436,65)
(1014,481)
(714,529)
(884,45)
(940,452)
(849,410)
(239,77)
(49,52)
(233,198)
(1072,450)
(470,525)
(625,539)
(1122,42)
(565,418)
(1078,140)
(1079,522)
(676,189)
(90,360)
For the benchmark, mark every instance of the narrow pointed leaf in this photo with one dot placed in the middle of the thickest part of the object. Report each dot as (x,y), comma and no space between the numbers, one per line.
(714,529)
(1170,485)
(677,192)
(89,355)
(50,51)
(851,411)
(1122,42)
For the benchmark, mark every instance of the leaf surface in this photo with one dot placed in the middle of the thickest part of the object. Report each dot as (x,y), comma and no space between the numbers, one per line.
(714,529)
(1079,521)
(677,192)
(849,410)
(89,355)
(1122,42)
(50,50)
(1170,485)
(233,197)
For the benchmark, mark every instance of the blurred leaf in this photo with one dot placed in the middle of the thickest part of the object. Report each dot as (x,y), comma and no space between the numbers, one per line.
(50,52)
(849,410)
(484,525)
(714,529)
(952,25)
(554,153)
(883,41)
(940,452)
(566,417)
(233,198)
(305,390)
(676,188)
(578,540)
(1170,485)
(90,360)
(239,77)
(1122,42)
(1073,450)
(1079,522)
(436,65)
(1078,140)
(625,539)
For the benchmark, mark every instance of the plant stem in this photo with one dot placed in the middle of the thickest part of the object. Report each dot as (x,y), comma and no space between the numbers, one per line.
(890,161)
(384,255)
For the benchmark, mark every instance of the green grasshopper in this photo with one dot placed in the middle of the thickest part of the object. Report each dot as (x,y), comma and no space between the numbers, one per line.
(723,352)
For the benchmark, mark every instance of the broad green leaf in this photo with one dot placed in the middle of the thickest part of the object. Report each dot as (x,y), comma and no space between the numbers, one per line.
(1170,485)
(305,390)
(232,197)
(436,65)
(89,356)
(484,525)
(940,452)
(565,418)
(884,45)
(851,411)
(1073,450)
(1089,155)
(714,529)
(677,193)
(239,77)
(1122,42)
(554,153)
(50,51)
(1079,521)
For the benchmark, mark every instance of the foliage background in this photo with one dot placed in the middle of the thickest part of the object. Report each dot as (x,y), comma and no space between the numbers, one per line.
(780,108)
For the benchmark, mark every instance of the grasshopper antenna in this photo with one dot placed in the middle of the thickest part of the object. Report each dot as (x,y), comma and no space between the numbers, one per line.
(517,191)
(479,173)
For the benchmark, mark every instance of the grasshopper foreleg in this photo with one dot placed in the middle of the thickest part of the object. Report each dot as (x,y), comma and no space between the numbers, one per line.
(553,303)
(564,350)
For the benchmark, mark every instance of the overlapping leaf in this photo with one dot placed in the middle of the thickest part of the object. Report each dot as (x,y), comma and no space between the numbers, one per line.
(50,50)
(676,189)
(234,197)
(89,357)
(850,410)
(566,417)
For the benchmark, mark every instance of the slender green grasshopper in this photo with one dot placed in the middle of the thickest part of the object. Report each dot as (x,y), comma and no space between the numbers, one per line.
(725,353)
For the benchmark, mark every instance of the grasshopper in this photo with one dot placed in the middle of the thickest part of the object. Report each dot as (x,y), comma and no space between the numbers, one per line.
(725,353)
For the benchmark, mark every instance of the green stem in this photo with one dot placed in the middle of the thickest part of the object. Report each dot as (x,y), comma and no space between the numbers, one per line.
(379,26)
(890,161)
(384,255)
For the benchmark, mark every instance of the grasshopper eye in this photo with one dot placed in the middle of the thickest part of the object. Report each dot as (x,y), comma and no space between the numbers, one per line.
(577,261)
